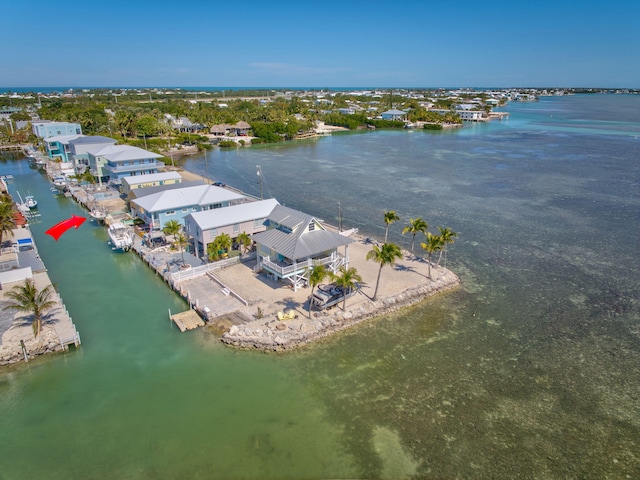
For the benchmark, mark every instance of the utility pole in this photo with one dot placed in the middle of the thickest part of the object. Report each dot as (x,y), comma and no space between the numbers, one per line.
(259,173)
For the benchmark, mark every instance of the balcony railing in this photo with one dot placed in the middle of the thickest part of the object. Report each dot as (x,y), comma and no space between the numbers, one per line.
(285,270)
(131,167)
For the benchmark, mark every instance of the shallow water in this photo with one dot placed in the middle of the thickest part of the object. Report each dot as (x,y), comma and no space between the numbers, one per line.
(530,369)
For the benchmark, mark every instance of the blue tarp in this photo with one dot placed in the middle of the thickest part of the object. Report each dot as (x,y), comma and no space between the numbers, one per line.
(24,241)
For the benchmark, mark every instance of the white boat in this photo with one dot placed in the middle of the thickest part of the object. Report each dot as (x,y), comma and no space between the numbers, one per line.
(121,237)
(97,214)
(60,182)
(30,202)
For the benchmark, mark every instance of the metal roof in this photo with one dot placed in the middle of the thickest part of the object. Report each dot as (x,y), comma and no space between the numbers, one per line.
(122,153)
(299,243)
(151,177)
(245,212)
(171,199)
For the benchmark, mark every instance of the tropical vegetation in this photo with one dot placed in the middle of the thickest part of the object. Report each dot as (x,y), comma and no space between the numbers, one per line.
(315,275)
(347,279)
(7,219)
(432,244)
(416,225)
(390,216)
(387,254)
(27,298)
(219,247)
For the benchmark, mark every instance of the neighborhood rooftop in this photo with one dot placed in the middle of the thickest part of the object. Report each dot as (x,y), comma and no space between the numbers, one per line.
(244,212)
(185,197)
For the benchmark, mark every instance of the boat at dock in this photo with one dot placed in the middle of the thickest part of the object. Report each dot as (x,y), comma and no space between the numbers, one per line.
(30,202)
(60,183)
(121,238)
(97,214)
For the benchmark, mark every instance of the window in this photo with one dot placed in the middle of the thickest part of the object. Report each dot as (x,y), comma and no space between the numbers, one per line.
(236,228)
(258,222)
(312,226)
(185,210)
(170,212)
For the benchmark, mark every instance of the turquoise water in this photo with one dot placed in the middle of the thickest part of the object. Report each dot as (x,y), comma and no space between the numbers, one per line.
(530,369)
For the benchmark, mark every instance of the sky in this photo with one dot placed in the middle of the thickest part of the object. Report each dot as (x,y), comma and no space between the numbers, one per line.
(320,43)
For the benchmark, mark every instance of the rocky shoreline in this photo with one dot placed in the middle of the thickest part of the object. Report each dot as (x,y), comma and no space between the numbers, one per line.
(47,342)
(279,336)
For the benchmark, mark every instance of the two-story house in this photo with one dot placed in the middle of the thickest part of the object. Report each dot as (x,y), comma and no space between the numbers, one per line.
(176,203)
(294,242)
(115,162)
(203,227)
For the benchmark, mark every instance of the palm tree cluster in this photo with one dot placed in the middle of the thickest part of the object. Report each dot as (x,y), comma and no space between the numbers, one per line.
(433,242)
(220,245)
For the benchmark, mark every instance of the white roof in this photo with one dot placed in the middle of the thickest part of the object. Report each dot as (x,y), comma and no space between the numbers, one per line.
(152,177)
(245,212)
(62,138)
(121,153)
(186,197)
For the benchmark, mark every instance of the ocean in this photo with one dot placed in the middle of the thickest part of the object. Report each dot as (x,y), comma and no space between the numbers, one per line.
(530,369)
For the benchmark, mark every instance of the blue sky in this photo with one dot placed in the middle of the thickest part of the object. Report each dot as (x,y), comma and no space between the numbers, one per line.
(348,43)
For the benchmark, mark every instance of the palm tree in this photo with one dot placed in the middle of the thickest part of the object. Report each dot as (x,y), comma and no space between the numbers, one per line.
(432,245)
(7,220)
(222,242)
(390,216)
(244,240)
(348,279)
(173,227)
(448,236)
(385,255)
(415,225)
(27,298)
(315,274)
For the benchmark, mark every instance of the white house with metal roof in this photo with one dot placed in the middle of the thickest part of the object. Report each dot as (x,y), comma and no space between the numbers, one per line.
(150,180)
(175,204)
(394,114)
(206,225)
(294,242)
(119,161)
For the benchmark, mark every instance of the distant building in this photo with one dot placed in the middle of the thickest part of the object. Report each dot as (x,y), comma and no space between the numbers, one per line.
(47,128)
(175,204)
(247,218)
(394,115)
(151,180)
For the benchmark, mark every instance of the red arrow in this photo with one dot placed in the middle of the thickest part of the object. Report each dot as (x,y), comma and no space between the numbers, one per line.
(65,225)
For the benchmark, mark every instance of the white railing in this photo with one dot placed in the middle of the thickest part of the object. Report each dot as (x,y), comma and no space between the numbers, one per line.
(193,272)
(335,259)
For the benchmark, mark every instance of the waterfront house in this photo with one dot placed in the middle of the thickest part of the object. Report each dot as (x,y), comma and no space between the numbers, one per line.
(394,115)
(118,161)
(239,129)
(294,242)
(151,180)
(158,208)
(80,147)
(47,128)
(58,147)
(203,227)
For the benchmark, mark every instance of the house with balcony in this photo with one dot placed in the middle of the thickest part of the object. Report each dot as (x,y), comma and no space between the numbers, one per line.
(80,147)
(115,162)
(47,128)
(158,208)
(147,181)
(203,227)
(294,242)
(59,148)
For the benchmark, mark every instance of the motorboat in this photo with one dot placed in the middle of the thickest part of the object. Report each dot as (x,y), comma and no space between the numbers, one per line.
(30,202)
(60,182)
(121,238)
(326,296)
(97,214)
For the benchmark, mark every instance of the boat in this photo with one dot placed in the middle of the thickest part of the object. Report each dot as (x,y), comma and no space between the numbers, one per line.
(60,182)
(326,296)
(30,202)
(121,237)
(97,214)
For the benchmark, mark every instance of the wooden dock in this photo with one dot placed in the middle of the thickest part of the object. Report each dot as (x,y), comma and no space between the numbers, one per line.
(188,320)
